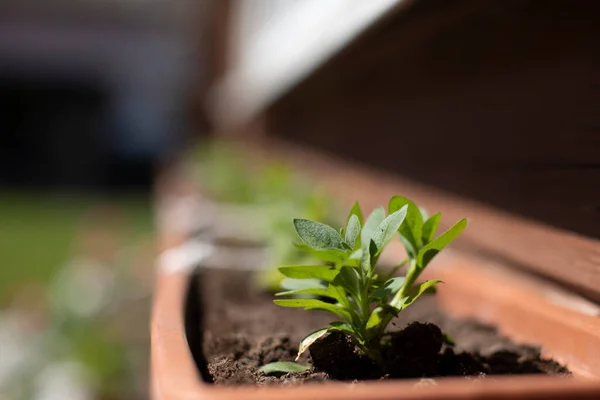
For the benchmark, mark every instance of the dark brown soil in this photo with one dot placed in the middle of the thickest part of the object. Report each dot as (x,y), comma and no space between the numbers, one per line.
(244,330)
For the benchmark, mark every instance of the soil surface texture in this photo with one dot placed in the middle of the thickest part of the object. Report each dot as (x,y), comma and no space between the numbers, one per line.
(243,330)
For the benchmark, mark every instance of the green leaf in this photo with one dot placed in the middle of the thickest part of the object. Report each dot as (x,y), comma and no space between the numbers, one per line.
(342,327)
(366,259)
(430,226)
(322,272)
(352,231)
(375,218)
(313,304)
(340,294)
(348,279)
(398,304)
(411,229)
(283,367)
(388,288)
(332,292)
(372,256)
(388,228)
(435,246)
(354,259)
(448,339)
(309,340)
(376,318)
(431,290)
(297,284)
(317,235)
(418,290)
(355,210)
(316,291)
(329,255)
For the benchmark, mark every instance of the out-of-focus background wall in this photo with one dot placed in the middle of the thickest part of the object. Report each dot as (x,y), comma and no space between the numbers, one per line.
(95,92)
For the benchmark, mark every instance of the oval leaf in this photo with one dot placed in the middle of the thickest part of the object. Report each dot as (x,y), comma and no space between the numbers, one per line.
(317,235)
(397,304)
(368,255)
(430,226)
(309,340)
(375,218)
(332,292)
(411,229)
(340,294)
(417,291)
(390,287)
(448,339)
(388,228)
(342,327)
(356,211)
(349,280)
(297,284)
(283,367)
(328,255)
(313,304)
(429,251)
(355,258)
(352,231)
(322,272)
(316,291)
(376,318)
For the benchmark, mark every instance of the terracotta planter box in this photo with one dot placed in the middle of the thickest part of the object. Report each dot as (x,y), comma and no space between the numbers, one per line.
(520,307)
(524,308)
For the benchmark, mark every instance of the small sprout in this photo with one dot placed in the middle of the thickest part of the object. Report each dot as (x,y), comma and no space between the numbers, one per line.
(283,367)
(363,300)
(448,340)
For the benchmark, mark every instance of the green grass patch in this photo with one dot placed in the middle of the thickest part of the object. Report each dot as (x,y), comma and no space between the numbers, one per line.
(38,231)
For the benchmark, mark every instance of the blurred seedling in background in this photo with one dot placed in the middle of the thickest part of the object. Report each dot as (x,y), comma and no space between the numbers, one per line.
(265,196)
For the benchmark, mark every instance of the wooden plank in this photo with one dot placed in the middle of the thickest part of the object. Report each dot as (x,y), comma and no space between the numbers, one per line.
(495,101)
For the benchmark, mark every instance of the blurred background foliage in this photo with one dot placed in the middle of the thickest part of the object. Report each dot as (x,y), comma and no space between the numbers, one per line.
(38,231)
(75,282)
(94,96)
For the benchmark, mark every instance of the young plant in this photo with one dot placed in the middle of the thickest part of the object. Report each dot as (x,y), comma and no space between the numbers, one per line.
(362,300)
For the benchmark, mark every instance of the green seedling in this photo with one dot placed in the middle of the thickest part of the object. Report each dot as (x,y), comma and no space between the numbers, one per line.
(363,300)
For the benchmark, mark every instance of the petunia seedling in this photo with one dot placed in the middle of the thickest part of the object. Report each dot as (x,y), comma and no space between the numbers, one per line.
(363,300)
